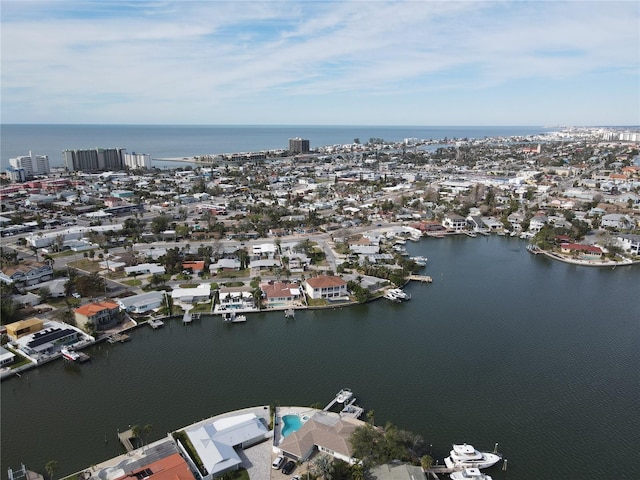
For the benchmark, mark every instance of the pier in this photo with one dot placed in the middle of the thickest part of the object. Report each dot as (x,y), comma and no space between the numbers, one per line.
(118,337)
(421,278)
(155,324)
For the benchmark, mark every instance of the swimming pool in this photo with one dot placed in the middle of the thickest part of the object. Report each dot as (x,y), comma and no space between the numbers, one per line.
(290,424)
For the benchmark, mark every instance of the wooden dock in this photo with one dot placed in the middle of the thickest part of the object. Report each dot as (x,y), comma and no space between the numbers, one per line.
(118,337)
(155,324)
(421,278)
(125,438)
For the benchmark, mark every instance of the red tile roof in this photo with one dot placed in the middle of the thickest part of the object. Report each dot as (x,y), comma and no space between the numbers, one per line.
(325,281)
(90,309)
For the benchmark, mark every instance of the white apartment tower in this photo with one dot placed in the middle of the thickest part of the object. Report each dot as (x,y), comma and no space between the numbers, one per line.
(32,164)
(137,160)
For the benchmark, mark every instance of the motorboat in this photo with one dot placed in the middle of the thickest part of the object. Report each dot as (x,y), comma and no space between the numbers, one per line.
(420,261)
(469,473)
(391,296)
(399,294)
(232,317)
(465,456)
(344,395)
(70,355)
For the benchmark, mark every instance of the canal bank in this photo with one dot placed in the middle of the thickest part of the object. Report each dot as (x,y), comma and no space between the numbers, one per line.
(504,346)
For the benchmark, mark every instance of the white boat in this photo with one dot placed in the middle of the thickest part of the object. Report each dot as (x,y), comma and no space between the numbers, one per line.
(231,317)
(469,473)
(70,355)
(465,456)
(391,296)
(420,261)
(399,294)
(344,395)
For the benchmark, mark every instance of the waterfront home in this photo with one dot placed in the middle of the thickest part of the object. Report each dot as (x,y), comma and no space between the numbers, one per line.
(325,286)
(98,315)
(630,243)
(280,294)
(404,471)
(170,467)
(454,222)
(26,273)
(589,252)
(537,222)
(39,340)
(6,357)
(235,298)
(199,294)
(144,302)
(326,432)
(217,442)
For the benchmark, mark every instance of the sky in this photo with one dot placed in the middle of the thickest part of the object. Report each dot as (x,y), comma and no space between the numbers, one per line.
(363,62)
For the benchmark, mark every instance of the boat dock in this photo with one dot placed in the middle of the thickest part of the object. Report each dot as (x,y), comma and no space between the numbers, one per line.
(289,313)
(155,324)
(352,410)
(421,278)
(118,337)
(125,438)
(190,317)
(433,471)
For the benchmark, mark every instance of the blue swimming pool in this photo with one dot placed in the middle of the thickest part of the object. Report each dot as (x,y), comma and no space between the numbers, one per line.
(290,424)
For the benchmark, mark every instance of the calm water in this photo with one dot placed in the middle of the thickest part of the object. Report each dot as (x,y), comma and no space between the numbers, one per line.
(504,346)
(165,141)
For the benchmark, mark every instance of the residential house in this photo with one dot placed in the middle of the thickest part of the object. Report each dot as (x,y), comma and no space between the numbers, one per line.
(217,442)
(235,298)
(195,267)
(170,467)
(588,252)
(537,222)
(145,269)
(327,432)
(199,294)
(24,327)
(225,264)
(26,273)
(617,221)
(630,243)
(99,315)
(280,294)
(403,471)
(454,222)
(144,302)
(325,286)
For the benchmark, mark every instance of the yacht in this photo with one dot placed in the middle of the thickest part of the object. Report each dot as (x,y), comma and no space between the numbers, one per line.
(420,261)
(465,456)
(469,473)
(399,294)
(70,355)
(231,317)
(344,395)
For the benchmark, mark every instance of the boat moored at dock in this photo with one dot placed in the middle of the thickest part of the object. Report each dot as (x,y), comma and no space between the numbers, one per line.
(232,317)
(344,395)
(469,473)
(466,456)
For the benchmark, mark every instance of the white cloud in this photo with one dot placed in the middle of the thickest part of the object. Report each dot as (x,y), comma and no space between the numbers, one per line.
(203,61)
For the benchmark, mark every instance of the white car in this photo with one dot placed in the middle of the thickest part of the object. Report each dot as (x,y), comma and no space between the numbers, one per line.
(277,463)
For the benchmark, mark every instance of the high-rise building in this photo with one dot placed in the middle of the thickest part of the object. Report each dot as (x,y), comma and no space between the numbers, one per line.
(137,160)
(298,145)
(32,164)
(93,160)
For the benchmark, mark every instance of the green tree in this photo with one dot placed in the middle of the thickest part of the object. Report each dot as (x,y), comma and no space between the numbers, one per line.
(51,468)
(44,293)
(160,224)
(426,462)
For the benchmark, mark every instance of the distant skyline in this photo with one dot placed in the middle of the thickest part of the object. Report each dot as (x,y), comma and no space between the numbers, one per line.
(320,62)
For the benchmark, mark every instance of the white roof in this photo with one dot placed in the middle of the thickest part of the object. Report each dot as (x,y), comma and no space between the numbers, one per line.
(214,441)
(202,290)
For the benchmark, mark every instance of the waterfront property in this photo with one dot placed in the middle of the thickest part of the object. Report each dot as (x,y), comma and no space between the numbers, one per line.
(98,315)
(281,294)
(217,440)
(141,303)
(326,432)
(40,340)
(325,286)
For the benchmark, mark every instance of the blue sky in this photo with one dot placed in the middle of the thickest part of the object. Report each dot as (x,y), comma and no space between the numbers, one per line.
(321,62)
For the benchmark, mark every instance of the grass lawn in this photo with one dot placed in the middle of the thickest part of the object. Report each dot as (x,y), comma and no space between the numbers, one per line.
(317,302)
(87,265)
(132,283)
(201,308)
(234,274)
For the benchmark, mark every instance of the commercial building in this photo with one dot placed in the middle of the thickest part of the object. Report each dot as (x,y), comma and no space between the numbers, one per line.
(32,164)
(298,145)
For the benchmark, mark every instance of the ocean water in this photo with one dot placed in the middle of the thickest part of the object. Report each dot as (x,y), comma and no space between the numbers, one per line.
(166,141)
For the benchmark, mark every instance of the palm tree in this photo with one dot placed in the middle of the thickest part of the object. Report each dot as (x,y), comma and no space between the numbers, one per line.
(146,430)
(51,467)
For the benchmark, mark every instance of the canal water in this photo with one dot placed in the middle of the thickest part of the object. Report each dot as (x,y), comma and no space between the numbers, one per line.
(503,346)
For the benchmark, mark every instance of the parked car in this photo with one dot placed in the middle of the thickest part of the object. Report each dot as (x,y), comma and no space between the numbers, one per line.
(288,467)
(277,463)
